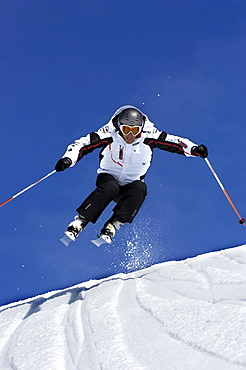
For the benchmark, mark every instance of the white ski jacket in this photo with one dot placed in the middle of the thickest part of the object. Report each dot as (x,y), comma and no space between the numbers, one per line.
(126,162)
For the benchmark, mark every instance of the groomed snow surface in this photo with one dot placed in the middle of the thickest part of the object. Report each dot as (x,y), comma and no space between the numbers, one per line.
(177,315)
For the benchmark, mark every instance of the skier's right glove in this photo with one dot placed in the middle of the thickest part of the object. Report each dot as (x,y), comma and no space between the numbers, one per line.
(62,164)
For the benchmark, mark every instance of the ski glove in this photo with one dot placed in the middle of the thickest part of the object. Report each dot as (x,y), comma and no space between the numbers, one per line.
(200,150)
(62,164)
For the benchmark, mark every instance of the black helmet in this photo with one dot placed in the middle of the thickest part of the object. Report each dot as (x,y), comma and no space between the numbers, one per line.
(131,117)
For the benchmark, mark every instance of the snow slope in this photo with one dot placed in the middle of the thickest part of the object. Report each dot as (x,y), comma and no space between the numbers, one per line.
(176,315)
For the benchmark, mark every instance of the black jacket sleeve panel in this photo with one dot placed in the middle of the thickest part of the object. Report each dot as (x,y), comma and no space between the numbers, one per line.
(95,142)
(163,144)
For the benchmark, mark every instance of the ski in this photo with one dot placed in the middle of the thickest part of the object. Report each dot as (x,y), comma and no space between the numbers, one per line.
(67,238)
(101,239)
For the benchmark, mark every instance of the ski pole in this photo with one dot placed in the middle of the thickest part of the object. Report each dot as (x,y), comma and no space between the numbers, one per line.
(27,188)
(241,220)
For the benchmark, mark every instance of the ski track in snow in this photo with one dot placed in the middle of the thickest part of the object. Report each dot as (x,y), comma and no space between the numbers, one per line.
(184,315)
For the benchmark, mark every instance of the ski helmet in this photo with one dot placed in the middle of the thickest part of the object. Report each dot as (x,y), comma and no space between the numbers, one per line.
(131,117)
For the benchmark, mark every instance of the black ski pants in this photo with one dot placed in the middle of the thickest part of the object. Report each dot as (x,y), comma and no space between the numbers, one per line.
(128,198)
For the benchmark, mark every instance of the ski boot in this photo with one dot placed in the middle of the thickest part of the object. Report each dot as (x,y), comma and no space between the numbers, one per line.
(74,228)
(108,232)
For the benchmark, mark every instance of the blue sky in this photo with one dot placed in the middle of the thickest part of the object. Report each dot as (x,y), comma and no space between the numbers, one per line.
(65,67)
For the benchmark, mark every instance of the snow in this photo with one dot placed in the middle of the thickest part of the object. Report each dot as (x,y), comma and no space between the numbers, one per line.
(185,315)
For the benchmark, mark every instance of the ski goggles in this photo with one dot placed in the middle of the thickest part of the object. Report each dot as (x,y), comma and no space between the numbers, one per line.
(135,130)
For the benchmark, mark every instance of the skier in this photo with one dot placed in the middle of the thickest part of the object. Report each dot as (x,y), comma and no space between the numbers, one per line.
(127,142)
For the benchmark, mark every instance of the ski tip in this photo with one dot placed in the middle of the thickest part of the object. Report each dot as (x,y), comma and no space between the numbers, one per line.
(98,241)
(102,240)
(65,240)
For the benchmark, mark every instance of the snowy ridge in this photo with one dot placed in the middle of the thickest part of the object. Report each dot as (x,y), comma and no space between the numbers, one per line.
(176,315)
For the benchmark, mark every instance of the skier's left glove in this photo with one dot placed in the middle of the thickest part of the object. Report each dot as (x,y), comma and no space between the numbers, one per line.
(200,150)
(62,164)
